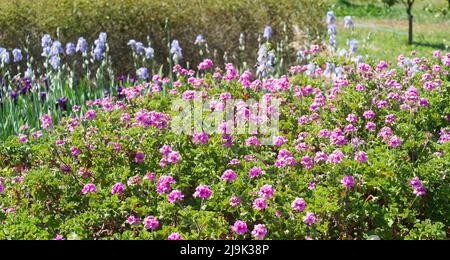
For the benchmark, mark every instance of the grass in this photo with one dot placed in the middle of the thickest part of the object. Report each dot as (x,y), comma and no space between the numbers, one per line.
(383,32)
(386,39)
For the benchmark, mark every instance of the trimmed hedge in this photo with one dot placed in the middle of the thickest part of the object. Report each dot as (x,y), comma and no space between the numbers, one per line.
(220,21)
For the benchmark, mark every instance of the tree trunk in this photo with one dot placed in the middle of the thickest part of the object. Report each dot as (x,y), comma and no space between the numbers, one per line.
(409,5)
(410,30)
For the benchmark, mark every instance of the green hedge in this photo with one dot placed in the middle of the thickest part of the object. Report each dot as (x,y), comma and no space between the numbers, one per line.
(220,21)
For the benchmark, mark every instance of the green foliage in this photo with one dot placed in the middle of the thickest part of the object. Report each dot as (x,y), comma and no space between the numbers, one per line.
(49,201)
(220,22)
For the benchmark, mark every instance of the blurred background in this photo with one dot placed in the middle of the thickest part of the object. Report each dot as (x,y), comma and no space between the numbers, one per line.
(380,25)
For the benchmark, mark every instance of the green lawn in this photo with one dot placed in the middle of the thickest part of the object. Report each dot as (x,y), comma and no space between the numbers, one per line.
(385,39)
(383,32)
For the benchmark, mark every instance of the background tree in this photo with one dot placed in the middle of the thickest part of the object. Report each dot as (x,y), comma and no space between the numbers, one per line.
(390,3)
(409,5)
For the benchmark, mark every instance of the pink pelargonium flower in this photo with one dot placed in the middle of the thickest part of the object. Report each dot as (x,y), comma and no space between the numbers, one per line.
(234,162)
(173,157)
(75,151)
(252,141)
(37,134)
(336,157)
(235,201)
(139,157)
(47,121)
(151,222)
(266,191)
(163,184)
(310,218)
(174,236)
(23,138)
(175,196)
(203,191)
(225,96)
(352,118)
(133,220)
(370,126)
(299,204)
(279,141)
(89,188)
(90,115)
(259,231)
(117,188)
(419,189)
(348,181)
(134,180)
(239,227)
(205,64)
(395,142)
(229,175)
(259,204)
(231,72)
(369,114)
(307,162)
(255,172)
(150,176)
(361,157)
(201,138)
(59,237)
(320,156)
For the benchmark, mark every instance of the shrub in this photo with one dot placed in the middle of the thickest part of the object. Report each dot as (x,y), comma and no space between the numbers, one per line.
(94,175)
(220,21)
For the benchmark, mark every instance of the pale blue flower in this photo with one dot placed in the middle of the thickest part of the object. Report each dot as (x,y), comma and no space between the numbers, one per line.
(100,46)
(343,53)
(310,68)
(4,56)
(267,32)
(353,46)
(142,73)
(98,53)
(331,18)
(359,59)
(56,48)
(17,54)
(132,44)
(348,22)
(149,53)
(301,55)
(333,41)
(176,50)
(330,69)
(55,61)
(139,48)
(81,45)
(265,61)
(29,73)
(199,40)
(46,41)
(338,71)
(70,49)
(332,29)
(46,51)
(102,37)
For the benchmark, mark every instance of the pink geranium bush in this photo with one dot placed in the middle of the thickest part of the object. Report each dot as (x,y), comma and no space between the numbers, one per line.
(362,152)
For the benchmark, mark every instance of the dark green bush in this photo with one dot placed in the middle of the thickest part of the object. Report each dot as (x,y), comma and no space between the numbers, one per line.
(220,21)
